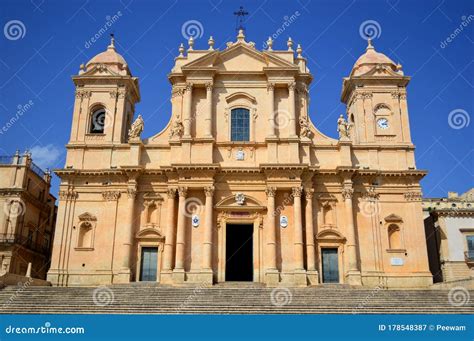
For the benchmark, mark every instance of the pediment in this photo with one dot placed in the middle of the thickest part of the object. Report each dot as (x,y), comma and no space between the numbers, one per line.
(232,201)
(239,57)
(149,233)
(87,217)
(381,70)
(330,235)
(99,70)
(152,196)
(393,218)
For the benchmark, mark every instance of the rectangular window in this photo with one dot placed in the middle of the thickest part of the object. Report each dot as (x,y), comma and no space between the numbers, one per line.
(240,125)
(470,246)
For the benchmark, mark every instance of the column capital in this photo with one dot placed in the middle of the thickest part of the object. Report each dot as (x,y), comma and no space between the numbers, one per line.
(209,86)
(270,86)
(131,193)
(270,191)
(296,191)
(209,191)
(347,193)
(309,193)
(189,86)
(171,192)
(292,86)
(182,191)
(111,195)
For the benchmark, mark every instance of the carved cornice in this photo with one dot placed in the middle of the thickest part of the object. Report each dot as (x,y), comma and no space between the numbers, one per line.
(111,195)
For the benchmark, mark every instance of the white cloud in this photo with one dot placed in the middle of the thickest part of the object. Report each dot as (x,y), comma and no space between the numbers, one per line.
(46,156)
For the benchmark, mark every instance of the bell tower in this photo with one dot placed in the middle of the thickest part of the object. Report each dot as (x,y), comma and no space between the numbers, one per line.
(375,95)
(106,93)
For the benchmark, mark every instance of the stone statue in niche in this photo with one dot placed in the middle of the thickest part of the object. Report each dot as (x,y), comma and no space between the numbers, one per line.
(176,129)
(304,127)
(136,129)
(343,128)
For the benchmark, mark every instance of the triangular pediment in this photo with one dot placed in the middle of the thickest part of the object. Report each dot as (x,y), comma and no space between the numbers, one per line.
(99,70)
(239,57)
(239,200)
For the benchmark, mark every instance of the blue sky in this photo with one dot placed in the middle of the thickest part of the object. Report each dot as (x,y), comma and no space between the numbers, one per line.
(44,42)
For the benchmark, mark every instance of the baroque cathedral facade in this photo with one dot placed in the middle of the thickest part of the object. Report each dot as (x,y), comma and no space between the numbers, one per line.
(240,185)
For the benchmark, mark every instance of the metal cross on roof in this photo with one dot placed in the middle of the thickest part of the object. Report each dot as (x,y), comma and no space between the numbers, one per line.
(240,14)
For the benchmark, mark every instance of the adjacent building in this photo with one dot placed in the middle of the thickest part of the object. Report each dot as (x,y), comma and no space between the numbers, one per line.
(27,217)
(449,227)
(240,185)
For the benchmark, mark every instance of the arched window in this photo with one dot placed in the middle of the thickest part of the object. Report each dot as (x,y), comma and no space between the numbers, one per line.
(97,121)
(240,125)
(394,238)
(85,235)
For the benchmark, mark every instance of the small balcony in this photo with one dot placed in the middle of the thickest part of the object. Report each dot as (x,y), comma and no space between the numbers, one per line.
(469,257)
(19,240)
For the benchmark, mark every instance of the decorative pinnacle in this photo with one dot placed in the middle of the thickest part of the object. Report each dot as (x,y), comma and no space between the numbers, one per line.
(369,44)
(181,50)
(270,44)
(211,43)
(241,35)
(112,42)
(190,43)
(299,50)
(289,43)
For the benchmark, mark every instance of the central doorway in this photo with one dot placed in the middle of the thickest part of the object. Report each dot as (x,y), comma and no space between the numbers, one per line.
(330,263)
(239,252)
(149,262)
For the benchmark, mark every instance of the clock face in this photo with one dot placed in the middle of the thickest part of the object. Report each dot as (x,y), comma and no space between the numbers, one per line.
(382,123)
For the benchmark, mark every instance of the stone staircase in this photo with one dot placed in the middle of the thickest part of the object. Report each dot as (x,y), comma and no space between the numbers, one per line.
(229,299)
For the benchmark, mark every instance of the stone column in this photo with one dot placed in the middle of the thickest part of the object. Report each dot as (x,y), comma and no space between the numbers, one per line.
(169,236)
(208,119)
(292,109)
(271,109)
(309,229)
(271,274)
(128,232)
(300,273)
(207,240)
(353,274)
(188,99)
(178,272)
